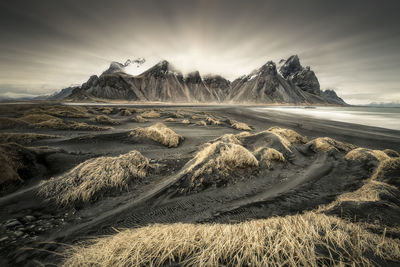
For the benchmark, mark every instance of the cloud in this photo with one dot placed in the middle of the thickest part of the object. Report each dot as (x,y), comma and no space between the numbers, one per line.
(52,44)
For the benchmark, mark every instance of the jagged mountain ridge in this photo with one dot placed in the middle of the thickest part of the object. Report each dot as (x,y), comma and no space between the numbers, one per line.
(291,83)
(265,85)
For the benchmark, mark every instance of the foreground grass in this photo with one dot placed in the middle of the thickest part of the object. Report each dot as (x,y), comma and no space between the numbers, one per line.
(310,239)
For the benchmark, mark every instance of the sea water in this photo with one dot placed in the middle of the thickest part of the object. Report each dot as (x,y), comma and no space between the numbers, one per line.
(372,116)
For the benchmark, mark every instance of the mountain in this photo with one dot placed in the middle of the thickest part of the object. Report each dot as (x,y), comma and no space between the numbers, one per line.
(289,83)
(119,67)
(384,104)
(304,78)
(161,83)
(265,85)
(63,93)
(219,85)
(198,90)
(332,98)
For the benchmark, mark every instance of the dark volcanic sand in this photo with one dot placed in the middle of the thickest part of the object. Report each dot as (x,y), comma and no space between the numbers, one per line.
(308,181)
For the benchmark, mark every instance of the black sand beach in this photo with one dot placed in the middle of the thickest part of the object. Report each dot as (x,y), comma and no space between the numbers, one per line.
(307,178)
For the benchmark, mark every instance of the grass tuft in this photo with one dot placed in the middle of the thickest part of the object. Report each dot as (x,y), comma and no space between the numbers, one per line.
(268,155)
(61,111)
(214,163)
(104,119)
(241,126)
(326,144)
(159,133)
(139,119)
(8,168)
(92,178)
(290,135)
(151,114)
(391,153)
(60,124)
(37,118)
(362,154)
(211,121)
(23,138)
(201,123)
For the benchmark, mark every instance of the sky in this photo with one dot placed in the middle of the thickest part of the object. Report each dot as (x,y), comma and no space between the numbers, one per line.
(352,46)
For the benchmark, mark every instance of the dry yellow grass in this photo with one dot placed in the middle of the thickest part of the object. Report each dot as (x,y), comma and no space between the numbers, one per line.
(48,121)
(169,120)
(241,126)
(8,168)
(391,153)
(242,134)
(383,181)
(37,118)
(201,123)
(6,123)
(325,144)
(177,115)
(126,112)
(268,155)
(68,111)
(290,135)
(17,162)
(214,162)
(23,138)
(138,118)
(286,137)
(228,138)
(185,121)
(309,239)
(104,119)
(60,124)
(388,171)
(159,133)
(106,110)
(365,154)
(212,121)
(61,111)
(90,179)
(151,114)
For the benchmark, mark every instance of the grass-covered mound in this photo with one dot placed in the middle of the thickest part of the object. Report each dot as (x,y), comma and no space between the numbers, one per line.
(60,124)
(104,119)
(159,133)
(326,144)
(138,118)
(17,164)
(267,156)
(378,194)
(151,114)
(241,126)
(95,177)
(60,111)
(231,157)
(365,154)
(214,165)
